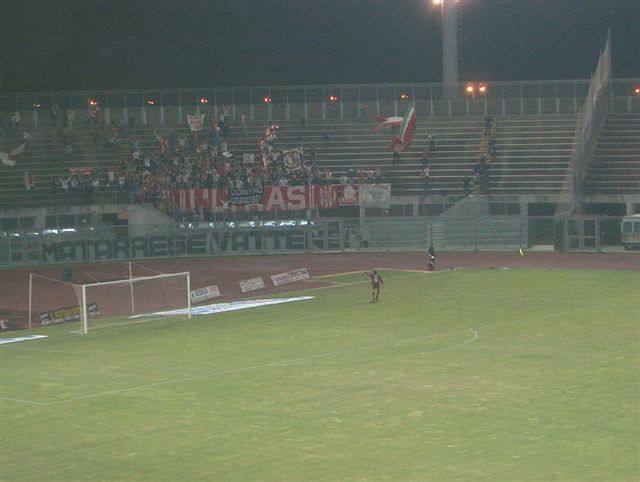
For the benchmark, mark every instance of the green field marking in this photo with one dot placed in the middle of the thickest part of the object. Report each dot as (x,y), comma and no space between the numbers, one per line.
(484,375)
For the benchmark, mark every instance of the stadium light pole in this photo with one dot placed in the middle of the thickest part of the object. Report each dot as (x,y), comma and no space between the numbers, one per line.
(450,48)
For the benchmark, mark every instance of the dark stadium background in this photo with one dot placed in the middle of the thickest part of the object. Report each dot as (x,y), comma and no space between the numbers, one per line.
(80,45)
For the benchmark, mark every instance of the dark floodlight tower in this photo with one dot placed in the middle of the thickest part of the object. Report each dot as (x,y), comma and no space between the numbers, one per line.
(450,47)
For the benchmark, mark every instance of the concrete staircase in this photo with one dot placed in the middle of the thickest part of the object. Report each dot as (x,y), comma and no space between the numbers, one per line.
(615,168)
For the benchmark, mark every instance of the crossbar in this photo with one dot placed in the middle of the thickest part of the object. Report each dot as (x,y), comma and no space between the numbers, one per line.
(135,280)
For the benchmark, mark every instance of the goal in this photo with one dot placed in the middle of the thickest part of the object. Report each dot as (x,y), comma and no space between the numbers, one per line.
(108,303)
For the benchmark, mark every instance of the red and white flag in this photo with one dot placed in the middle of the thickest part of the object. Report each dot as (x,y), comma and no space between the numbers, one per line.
(402,141)
(387,122)
(269,135)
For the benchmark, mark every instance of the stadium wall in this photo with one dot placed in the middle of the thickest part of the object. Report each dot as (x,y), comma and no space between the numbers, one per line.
(470,233)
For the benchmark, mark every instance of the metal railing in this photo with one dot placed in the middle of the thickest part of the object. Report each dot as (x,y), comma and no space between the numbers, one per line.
(313,102)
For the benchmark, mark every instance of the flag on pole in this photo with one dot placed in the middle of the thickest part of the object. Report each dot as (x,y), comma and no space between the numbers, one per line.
(402,141)
(265,142)
(520,251)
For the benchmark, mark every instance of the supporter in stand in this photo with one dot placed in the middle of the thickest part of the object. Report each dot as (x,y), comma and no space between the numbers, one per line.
(466,186)
(328,135)
(432,143)
(303,127)
(55,111)
(68,142)
(425,157)
(492,146)
(70,118)
(16,122)
(352,175)
(328,176)
(29,183)
(426,177)
(243,123)
(362,175)
(488,125)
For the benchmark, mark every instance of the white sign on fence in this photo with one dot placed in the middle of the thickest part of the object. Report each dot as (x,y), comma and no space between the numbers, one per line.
(290,276)
(205,293)
(251,284)
(375,195)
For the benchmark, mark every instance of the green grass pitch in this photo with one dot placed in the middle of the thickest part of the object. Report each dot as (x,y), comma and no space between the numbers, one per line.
(469,375)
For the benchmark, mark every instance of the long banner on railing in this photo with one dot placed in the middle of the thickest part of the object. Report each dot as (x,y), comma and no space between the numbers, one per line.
(284,198)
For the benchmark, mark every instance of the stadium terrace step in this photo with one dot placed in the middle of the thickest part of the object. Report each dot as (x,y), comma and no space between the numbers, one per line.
(532,152)
(615,167)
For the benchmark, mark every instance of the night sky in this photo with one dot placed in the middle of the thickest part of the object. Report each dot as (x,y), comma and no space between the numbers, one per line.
(89,45)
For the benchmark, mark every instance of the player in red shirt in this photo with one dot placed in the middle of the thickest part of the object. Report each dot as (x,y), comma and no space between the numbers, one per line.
(376,283)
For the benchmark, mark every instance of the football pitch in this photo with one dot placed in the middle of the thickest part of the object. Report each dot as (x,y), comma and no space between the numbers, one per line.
(465,375)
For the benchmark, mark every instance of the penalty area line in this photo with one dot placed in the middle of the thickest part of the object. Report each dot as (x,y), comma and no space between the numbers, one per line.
(274,364)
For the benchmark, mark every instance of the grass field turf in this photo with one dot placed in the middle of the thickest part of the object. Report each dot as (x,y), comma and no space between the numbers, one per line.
(470,375)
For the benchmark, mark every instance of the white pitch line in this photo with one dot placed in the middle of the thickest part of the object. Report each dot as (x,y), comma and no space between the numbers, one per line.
(277,364)
(466,342)
(295,360)
(32,402)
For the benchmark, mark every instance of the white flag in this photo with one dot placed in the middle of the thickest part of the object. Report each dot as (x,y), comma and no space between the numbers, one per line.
(10,158)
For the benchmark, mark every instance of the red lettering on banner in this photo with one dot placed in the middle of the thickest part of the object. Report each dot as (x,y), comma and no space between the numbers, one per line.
(278,197)
(275,198)
(297,197)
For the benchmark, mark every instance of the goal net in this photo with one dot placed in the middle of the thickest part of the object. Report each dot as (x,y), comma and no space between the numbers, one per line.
(107,303)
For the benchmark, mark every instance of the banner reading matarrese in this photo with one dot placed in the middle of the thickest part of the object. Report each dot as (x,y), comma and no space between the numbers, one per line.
(284,198)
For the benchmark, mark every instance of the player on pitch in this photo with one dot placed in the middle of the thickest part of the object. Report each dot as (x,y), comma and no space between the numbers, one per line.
(376,283)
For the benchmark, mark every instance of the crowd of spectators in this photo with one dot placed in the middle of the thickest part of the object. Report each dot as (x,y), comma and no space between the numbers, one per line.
(204,159)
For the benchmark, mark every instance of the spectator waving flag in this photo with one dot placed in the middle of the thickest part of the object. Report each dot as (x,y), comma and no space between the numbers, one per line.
(10,158)
(265,144)
(195,122)
(402,141)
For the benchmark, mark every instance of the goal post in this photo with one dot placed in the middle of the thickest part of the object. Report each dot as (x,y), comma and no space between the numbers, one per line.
(133,304)
(47,295)
(30,294)
(169,298)
(107,303)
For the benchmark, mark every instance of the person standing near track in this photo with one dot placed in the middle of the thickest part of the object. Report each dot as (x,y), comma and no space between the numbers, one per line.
(376,283)
(431,258)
